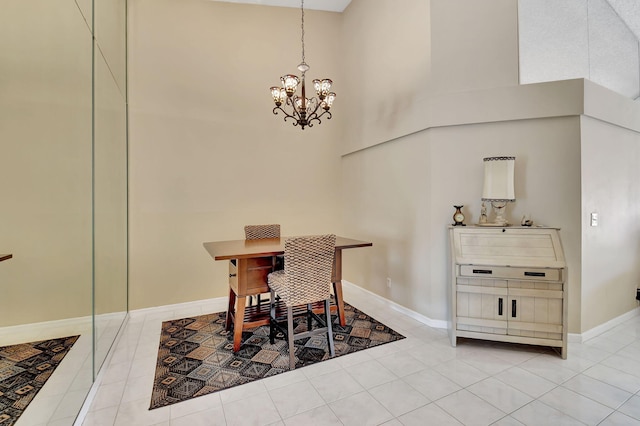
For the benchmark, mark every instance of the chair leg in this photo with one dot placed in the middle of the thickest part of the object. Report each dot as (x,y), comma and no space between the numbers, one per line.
(272,318)
(292,355)
(309,311)
(327,313)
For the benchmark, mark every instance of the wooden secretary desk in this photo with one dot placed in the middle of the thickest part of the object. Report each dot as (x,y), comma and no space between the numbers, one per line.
(509,284)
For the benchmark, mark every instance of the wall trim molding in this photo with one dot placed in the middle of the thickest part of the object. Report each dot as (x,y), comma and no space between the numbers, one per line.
(534,101)
(349,287)
(604,327)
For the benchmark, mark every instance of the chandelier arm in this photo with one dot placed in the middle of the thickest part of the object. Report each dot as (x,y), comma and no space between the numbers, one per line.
(292,104)
(287,116)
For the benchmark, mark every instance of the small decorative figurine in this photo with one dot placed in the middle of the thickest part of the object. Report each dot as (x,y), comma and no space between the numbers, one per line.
(526,221)
(483,213)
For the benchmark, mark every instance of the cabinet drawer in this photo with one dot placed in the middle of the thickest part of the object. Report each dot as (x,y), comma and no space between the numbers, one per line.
(539,274)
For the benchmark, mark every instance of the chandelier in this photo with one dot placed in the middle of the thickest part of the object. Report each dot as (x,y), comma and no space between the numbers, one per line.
(302,110)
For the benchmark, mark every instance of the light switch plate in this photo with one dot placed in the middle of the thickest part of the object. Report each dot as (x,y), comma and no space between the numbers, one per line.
(594,219)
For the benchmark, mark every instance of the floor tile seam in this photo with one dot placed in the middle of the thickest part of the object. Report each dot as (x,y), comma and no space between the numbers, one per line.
(92,409)
(618,353)
(274,406)
(310,380)
(595,400)
(454,416)
(577,393)
(549,380)
(609,384)
(385,407)
(616,412)
(374,398)
(550,407)
(615,368)
(377,384)
(467,388)
(427,396)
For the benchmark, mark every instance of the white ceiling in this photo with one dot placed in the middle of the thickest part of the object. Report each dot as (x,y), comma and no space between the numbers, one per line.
(330,5)
(629,12)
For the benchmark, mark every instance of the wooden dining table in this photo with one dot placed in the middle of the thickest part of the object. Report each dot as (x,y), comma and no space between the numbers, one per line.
(250,262)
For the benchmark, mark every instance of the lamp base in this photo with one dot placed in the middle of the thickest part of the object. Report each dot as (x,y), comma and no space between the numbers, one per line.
(500,221)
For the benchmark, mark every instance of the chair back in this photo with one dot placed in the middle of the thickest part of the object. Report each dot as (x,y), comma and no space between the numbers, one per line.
(258,232)
(308,265)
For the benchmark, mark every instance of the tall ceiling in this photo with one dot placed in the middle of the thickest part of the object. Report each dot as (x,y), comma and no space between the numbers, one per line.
(329,5)
(627,10)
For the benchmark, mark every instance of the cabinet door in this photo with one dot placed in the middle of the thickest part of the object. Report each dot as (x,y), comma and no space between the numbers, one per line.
(481,305)
(535,312)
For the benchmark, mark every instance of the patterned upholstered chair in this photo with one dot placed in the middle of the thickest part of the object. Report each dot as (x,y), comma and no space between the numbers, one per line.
(305,279)
(259,232)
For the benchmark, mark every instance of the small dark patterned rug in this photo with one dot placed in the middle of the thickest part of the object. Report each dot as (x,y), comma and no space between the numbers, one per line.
(24,369)
(196,354)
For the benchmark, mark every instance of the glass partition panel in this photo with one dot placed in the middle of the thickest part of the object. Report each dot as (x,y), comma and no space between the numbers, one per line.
(63,170)
(110,209)
(45,170)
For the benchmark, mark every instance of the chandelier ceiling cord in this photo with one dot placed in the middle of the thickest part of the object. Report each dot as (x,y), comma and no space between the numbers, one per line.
(302,110)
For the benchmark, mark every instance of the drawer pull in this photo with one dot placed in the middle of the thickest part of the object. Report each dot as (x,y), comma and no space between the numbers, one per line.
(534,274)
(233,275)
(513,308)
(500,306)
(482,271)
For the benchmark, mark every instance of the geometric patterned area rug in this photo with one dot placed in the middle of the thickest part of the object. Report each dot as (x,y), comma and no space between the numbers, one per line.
(24,369)
(196,355)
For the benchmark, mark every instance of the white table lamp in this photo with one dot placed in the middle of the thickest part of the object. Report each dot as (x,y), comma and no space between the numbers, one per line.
(499,186)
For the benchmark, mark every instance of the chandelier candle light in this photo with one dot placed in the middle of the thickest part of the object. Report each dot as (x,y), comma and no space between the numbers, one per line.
(302,110)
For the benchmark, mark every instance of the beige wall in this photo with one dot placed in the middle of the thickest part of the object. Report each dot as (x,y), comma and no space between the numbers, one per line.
(412,126)
(610,251)
(474,44)
(45,165)
(207,156)
(401,195)
(60,161)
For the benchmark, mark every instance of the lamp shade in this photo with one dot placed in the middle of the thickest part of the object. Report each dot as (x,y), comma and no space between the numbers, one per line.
(499,179)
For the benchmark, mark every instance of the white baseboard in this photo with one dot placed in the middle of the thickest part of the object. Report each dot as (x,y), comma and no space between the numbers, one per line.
(216,304)
(598,330)
(353,288)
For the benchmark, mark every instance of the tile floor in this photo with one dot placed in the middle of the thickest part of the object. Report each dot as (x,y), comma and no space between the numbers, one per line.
(62,396)
(420,380)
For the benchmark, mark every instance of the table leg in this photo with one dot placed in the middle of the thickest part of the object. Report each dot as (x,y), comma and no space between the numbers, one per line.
(237,324)
(230,309)
(337,285)
(337,290)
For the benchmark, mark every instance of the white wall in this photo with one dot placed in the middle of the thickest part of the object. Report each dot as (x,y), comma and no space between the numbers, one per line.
(568,39)
(207,156)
